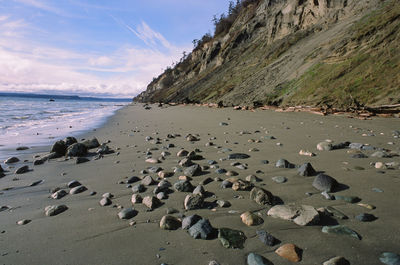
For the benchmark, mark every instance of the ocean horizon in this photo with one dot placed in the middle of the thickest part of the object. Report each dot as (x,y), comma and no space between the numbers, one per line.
(34,120)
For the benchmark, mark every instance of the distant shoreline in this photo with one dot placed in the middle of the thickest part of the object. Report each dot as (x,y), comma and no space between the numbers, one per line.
(69,97)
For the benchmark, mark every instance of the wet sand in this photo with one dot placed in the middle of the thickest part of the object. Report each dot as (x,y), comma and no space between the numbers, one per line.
(88,233)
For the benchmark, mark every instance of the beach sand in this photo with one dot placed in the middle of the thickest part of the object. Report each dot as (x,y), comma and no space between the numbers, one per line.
(88,233)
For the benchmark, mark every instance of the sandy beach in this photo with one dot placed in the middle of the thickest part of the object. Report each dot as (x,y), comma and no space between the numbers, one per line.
(88,233)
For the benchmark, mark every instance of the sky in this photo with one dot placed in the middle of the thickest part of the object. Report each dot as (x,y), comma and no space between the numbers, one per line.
(110,48)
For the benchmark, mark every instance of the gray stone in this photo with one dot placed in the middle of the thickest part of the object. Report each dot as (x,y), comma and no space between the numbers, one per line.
(161,196)
(356,146)
(324,182)
(193,171)
(223,204)
(136,198)
(231,238)
(220,171)
(53,210)
(169,222)
(186,162)
(59,147)
(151,202)
(22,170)
(336,213)
(199,190)
(80,160)
(70,141)
(390,258)
(365,217)
(139,188)
(73,184)
(183,186)
(252,178)
(300,215)
(189,221)
(193,201)
(359,155)
(349,199)
(324,146)
(182,153)
(237,156)
(147,181)
(261,196)
(266,238)
(155,169)
(306,170)
(340,230)
(279,179)
(226,184)
(255,259)
(336,261)
(104,150)
(127,213)
(11,160)
(77,190)
(105,201)
(58,194)
(381,154)
(77,149)
(38,162)
(91,143)
(201,229)
(283,163)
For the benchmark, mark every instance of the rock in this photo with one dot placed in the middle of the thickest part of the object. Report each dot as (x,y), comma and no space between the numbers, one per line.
(189,221)
(107,195)
(324,146)
(183,186)
(169,222)
(80,160)
(357,146)
(336,213)
(191,138)
(104,150)
(199,190)
(105,201)
(22,170)
(182,153)
(340,230)
(279,179)
(306,170)
(38,162)
(58,194)
(226,184)
(300,215)
(337,261)
(390,258)
(70,140)
(186,162)
(1,169)
(261,196)
(147,181)
(213,262)
(139,188)
(324,182)
(223,204)
(283,163)
(349,199)
(255,259)
(92,143)
(251,219)
(55,209)
(155,169)
(290,252)
(165,174)
(266,238)
(132,180)
(201,229)
(366,217)
(59,147)
(73,184)
(237,156)
(153,161)
(206,181)
(360,155)
(193,201)
(192,171)
(163,185)
(77,190)
(24,222)
(151,202)
(381,154)
(241,185)
(127,213)
(220,171)
(231,238)
(11,160)
(231,173)
(327,195)
(22,148)
(136,198)
(252,178)
(77,149)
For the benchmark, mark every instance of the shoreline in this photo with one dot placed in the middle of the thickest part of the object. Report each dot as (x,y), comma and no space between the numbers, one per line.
(88,233)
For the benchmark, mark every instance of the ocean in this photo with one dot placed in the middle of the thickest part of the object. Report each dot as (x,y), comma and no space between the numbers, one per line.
(39,121)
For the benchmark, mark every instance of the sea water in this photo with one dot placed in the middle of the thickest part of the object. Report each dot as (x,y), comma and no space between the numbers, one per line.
(36,122)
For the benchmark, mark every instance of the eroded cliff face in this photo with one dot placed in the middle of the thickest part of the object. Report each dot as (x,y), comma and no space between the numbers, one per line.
(272,44)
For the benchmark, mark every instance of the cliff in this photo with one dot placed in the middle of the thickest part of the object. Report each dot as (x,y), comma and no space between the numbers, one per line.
(334,53)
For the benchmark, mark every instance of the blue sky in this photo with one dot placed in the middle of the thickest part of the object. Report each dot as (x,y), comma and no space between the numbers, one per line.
(96,47)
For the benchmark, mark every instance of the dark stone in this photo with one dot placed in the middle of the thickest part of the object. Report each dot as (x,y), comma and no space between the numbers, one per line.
(231,238)
(390,258)
(193,201)
(138,188)
(366,217)
(189,221)
(266,238)
(55,210)
(59,147)
(77,190)
(38,162)
(220,171)
(127,213)
(340,230)
(132,180)
(22,148)
(1,169)
(255,259)
(104,150)
(360,155)
(22,170)
(238,156)
(283,163)
(193,171)
(80,160)
(154,169)
(92,143)
(340,145)
(183,186)
(73,184)
(324,182)
(70,140)
(226,184)
(76,149)
(306,170)
(202,229)
(11,160)
(349,199)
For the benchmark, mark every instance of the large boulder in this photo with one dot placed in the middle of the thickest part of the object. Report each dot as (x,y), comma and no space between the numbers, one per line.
(70,140)
(324,182)
(59,148)
(77,149)
(300,215)
(91,143)
(261,196)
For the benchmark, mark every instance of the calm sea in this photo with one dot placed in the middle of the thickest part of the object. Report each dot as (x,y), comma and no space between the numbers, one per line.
(36,122)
